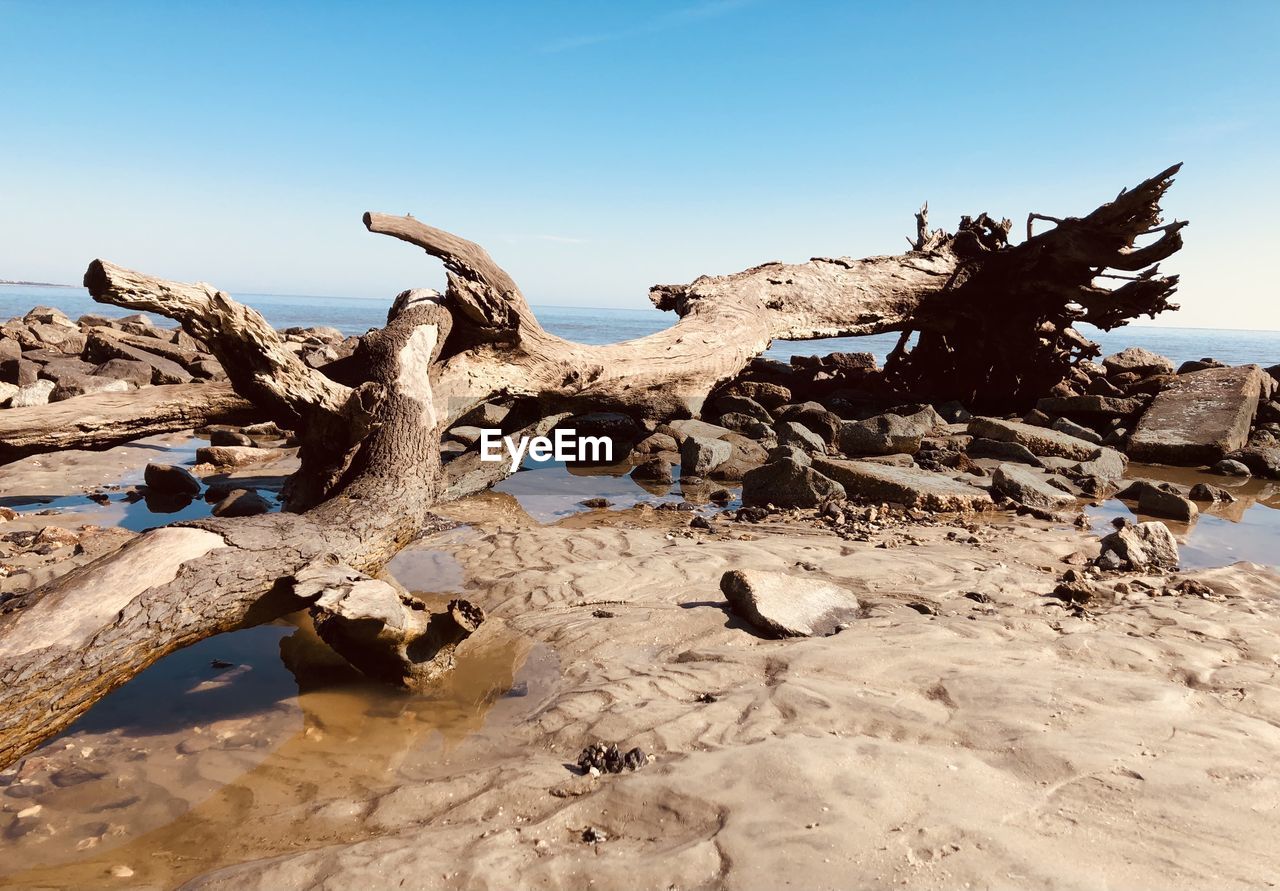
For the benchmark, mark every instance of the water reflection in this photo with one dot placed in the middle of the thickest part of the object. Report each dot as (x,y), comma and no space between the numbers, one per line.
(243,746)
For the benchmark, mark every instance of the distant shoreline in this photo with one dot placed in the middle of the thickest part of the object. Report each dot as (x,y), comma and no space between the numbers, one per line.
(10,281)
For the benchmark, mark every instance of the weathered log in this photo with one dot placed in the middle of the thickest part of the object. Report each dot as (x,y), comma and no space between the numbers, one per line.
(371,424)
(103,420)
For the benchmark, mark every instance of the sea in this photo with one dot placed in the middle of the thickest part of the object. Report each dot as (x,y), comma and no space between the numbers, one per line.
(597,325)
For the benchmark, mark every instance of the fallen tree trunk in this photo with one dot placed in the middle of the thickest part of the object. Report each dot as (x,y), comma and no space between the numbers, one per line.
(103,420)
(371,424)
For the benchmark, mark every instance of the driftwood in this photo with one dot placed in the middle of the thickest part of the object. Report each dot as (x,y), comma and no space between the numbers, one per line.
(103,420)
(993,322)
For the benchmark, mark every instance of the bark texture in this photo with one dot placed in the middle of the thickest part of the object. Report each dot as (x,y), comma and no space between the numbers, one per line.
(993,324)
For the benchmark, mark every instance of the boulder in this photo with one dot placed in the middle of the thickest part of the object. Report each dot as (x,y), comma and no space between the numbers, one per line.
(655,470)
(241,503)
(795,434)
(36,393)
(1210,493)
(1230,467)
(787,605)
(887,434)
(1002,451)
(700,455)
(7,392)
(1142,546)
(655,442)
(1157,502)
(170,479)
(70,386)
(1107,464)
(1042,441)
(909,486)
(58,369)
(694,427)
(1200,418)
(1028,488)
(746,425)
(771,396)
(814,416)
(104,346)
(136,373)
(229,438)
(788,483)
(1137,360)
(800,456)
(743,405)
(1262,461)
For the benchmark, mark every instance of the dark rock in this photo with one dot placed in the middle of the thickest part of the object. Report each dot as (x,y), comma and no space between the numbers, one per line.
(1230,467)
(103,347)
(1002,451)
(1192,365)
(800,456)
(1156,502)
(242,503)
(1071,428)
(136,373)
(1214,494)
(654,470)
(602,758)
(596,503)
(814,416)
(169,479)
(229,438)
(745,425)
(655,442)
(795,434)
(1262,462)
(953,412)
(887,434)
(743,405)
(787,483)
(71,386)
(1091,407)
(771,396)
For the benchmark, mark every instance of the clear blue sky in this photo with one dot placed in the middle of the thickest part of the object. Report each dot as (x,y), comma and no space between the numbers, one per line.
(599,148)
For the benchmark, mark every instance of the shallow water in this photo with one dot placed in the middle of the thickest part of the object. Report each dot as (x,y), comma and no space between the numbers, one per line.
(1246,529)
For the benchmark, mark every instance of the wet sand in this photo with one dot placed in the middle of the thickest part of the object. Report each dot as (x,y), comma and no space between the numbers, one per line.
(995,738)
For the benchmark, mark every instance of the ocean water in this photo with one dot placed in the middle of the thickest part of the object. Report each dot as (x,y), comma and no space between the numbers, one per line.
(596,326)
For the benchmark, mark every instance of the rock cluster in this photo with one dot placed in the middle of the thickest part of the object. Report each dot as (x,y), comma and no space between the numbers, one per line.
(46,357)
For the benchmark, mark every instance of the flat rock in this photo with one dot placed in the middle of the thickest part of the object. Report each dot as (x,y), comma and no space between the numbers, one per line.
(1028,487)
(103,347)
(233,456)
(1042,441)
(909,486)
(788,605)
(1002,450)
(694,427)
(1090,406)
(1200,418)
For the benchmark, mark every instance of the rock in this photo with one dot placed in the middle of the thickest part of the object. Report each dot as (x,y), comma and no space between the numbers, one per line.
(1143,546)
(1192,365)
(103,347)
(468,436)
(169,479)
(800,456)
(58,370)
(746,450)
(909,486)
(890,460)
(1201,418)
(36,393)
(746,425)
(694,427)
(1211,493)
(1042,441)
(953,412)
(700,455)
(242,503)
(136,373)
(71,386)
(1002,451)
(815,417)
(7,392)
(654,470)
(1071,428)
(1261,461)
(207,369)
(788,605)
(1137,360)
(1157,502)
(734,469)
(1090,407)
(795,434)
(1107,464)
(788,483)
(655,442)
(744,405)
(1028,488)
(229,438)
(1229,467)
(48,315)
(771,396)
(887,434)
(233,456)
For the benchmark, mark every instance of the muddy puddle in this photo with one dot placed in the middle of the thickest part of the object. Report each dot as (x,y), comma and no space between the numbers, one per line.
(1222,534)
(246,745)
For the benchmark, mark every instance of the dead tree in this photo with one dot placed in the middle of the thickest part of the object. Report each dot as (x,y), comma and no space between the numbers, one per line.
(994,322)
